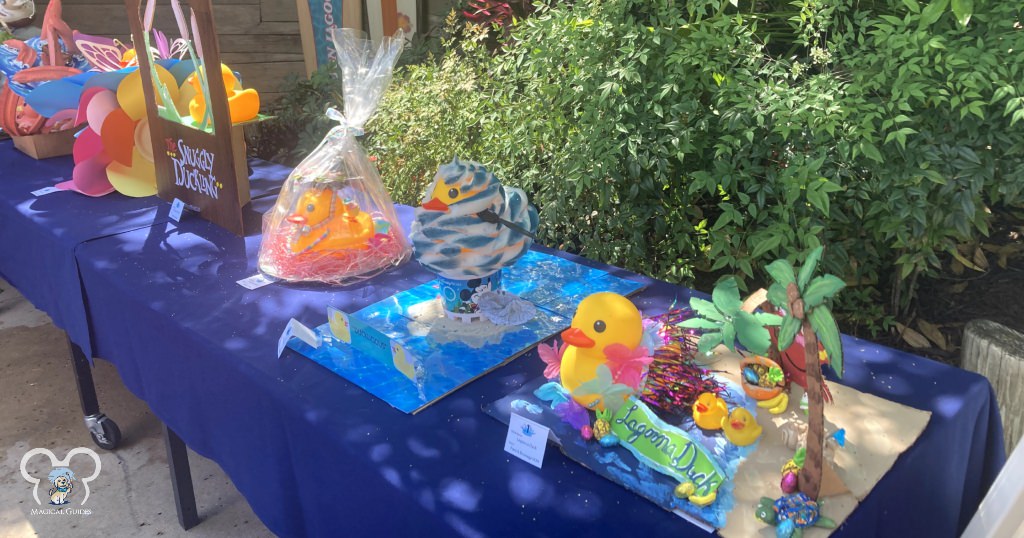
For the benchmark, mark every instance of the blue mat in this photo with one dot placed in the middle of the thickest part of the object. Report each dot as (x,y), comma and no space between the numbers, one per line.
(554,285)
(620,466)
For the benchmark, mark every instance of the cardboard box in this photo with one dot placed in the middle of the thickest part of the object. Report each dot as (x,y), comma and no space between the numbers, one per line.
(44,146)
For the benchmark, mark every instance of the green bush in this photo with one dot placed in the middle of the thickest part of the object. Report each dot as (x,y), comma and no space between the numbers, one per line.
(675,137)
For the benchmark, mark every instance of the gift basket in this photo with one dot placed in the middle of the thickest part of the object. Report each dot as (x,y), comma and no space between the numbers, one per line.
(334,221)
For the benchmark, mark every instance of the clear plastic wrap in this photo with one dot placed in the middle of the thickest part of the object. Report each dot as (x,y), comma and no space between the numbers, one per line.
(334,221)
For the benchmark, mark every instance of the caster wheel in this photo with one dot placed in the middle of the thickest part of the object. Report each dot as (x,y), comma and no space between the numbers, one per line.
(111,436)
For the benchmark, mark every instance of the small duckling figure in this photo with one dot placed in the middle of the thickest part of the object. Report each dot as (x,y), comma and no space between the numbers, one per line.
(244,105)
(328,223)
(709,410)
(740,427)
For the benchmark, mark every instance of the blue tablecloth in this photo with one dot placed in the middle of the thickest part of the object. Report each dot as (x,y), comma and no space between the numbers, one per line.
(39,235)
(315,455)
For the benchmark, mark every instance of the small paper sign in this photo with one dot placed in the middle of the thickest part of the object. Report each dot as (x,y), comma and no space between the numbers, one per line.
(256,281)
(526,440)
(44,191)
(296,329)
(177,206)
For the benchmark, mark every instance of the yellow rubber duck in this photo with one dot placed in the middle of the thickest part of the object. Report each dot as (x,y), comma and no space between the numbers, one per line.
(709,410)
(740,427)
(601,319)
(329,224)
(244,105)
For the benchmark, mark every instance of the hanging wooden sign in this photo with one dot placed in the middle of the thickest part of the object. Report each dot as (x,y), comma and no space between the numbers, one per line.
(204,168)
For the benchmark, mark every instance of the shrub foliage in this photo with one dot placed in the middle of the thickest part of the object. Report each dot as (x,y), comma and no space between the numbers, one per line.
(709,135)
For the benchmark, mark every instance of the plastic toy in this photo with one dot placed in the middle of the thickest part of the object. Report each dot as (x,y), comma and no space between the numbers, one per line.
(328,223)
(740,427)
(243,105)
(602,319)
(791,514)
(709,410)
(334,221)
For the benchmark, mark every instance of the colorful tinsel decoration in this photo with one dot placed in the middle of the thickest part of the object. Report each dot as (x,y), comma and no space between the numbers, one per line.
(674,380)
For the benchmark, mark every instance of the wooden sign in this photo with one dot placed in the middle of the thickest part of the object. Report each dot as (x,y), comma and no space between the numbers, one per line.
(205,170)
(317,19)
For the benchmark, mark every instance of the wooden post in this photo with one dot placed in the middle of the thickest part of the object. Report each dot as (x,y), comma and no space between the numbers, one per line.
(997,352)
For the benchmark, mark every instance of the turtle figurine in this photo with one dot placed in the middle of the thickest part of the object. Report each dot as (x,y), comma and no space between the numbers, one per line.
(790,514)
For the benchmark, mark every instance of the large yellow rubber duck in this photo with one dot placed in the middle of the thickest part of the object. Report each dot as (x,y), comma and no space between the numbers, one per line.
(740,427)
(244,105)
(601,319)
(328,223)
(709,410)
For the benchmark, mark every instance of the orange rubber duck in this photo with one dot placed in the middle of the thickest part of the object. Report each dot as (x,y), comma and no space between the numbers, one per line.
(328,223)
(244,105)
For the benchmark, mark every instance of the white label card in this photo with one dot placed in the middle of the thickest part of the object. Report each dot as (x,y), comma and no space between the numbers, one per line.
(296,329)
(256,281)
(44,191)
(177,206)
(526,440)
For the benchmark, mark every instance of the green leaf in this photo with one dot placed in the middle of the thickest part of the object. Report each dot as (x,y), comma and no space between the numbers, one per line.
(807,269)
(729,336)
(787,332)
(870,151)
(706,308)
(700,323)
(800,456)
(819,199)
(932,12)
(777,295)
(751,333)
(825,327)
(821,288)
(765,245)
(912,5)
(726,296)
(963,9)
(708,342)
(782,272)
(767,319)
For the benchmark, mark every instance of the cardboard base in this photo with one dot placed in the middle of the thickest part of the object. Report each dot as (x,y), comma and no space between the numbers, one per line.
(877,432)
(44,146)
(445,354)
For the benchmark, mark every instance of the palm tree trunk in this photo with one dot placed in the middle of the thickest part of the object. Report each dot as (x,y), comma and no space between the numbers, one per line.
(810,475)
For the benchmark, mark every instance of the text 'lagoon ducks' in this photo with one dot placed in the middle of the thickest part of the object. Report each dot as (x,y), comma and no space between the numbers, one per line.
(602,319)
(451,239)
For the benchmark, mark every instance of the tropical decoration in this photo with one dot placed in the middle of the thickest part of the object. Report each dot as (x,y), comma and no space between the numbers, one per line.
(722,320)
(27,66)
(605,370)
(804,300)
(674,378)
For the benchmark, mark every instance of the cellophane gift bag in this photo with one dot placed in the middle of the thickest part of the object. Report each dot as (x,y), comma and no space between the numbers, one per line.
(334,221)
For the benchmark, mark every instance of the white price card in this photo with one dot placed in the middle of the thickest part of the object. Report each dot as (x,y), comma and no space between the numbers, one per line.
(526,440)
(295,329)
(44,191)
(177,207)
(256,281)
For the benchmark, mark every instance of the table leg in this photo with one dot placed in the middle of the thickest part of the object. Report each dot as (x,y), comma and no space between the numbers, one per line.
(104,431)
(181,480)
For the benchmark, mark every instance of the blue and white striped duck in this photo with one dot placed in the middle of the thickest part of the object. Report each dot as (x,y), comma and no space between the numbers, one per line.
(449,236)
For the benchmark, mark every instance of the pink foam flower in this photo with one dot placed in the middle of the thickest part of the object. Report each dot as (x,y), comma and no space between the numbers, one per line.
(552,357)
(627,366)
